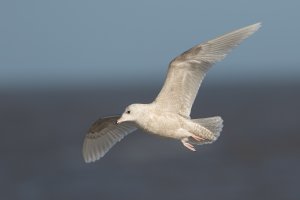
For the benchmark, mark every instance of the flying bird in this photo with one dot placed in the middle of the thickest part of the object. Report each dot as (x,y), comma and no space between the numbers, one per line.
(169,114)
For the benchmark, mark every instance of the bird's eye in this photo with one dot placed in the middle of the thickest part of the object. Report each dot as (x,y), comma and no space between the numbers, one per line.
(128,112)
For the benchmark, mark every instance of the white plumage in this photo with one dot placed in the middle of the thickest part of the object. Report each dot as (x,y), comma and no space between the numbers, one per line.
(169,114)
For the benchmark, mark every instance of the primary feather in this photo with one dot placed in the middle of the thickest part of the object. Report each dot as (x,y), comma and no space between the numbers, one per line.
(103,135)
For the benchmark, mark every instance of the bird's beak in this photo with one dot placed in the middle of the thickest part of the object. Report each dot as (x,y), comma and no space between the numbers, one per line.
(119,120)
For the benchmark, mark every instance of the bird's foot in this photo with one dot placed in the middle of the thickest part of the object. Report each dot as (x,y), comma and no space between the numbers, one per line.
(188,145)
(197,138)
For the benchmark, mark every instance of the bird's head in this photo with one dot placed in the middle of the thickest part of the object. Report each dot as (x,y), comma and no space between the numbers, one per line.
(131,113)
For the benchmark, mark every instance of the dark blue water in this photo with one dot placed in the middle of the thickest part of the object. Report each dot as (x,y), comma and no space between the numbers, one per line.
(256,157)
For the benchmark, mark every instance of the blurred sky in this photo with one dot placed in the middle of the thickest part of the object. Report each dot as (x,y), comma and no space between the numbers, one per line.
(72,42)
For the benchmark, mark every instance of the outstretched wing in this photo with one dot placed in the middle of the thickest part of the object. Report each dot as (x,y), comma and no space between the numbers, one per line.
(102,135)
(187,71)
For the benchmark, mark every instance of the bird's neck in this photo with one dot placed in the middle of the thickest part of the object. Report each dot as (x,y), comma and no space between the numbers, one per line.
(145,114)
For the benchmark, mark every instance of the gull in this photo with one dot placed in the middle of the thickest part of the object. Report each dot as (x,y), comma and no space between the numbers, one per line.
(169,114)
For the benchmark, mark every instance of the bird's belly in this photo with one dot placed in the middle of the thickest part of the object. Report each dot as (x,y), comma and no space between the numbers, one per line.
(164,125)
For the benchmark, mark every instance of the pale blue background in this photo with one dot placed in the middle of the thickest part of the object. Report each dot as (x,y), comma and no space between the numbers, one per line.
(113,43)
(82,58)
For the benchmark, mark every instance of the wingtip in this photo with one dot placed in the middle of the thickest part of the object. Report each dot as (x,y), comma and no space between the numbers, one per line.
(89,152)
(255,26)
(249,30)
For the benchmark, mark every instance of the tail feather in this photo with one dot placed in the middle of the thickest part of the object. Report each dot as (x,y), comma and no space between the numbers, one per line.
(214,124)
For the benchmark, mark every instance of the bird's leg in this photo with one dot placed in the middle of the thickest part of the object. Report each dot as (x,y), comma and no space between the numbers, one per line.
(188,145)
